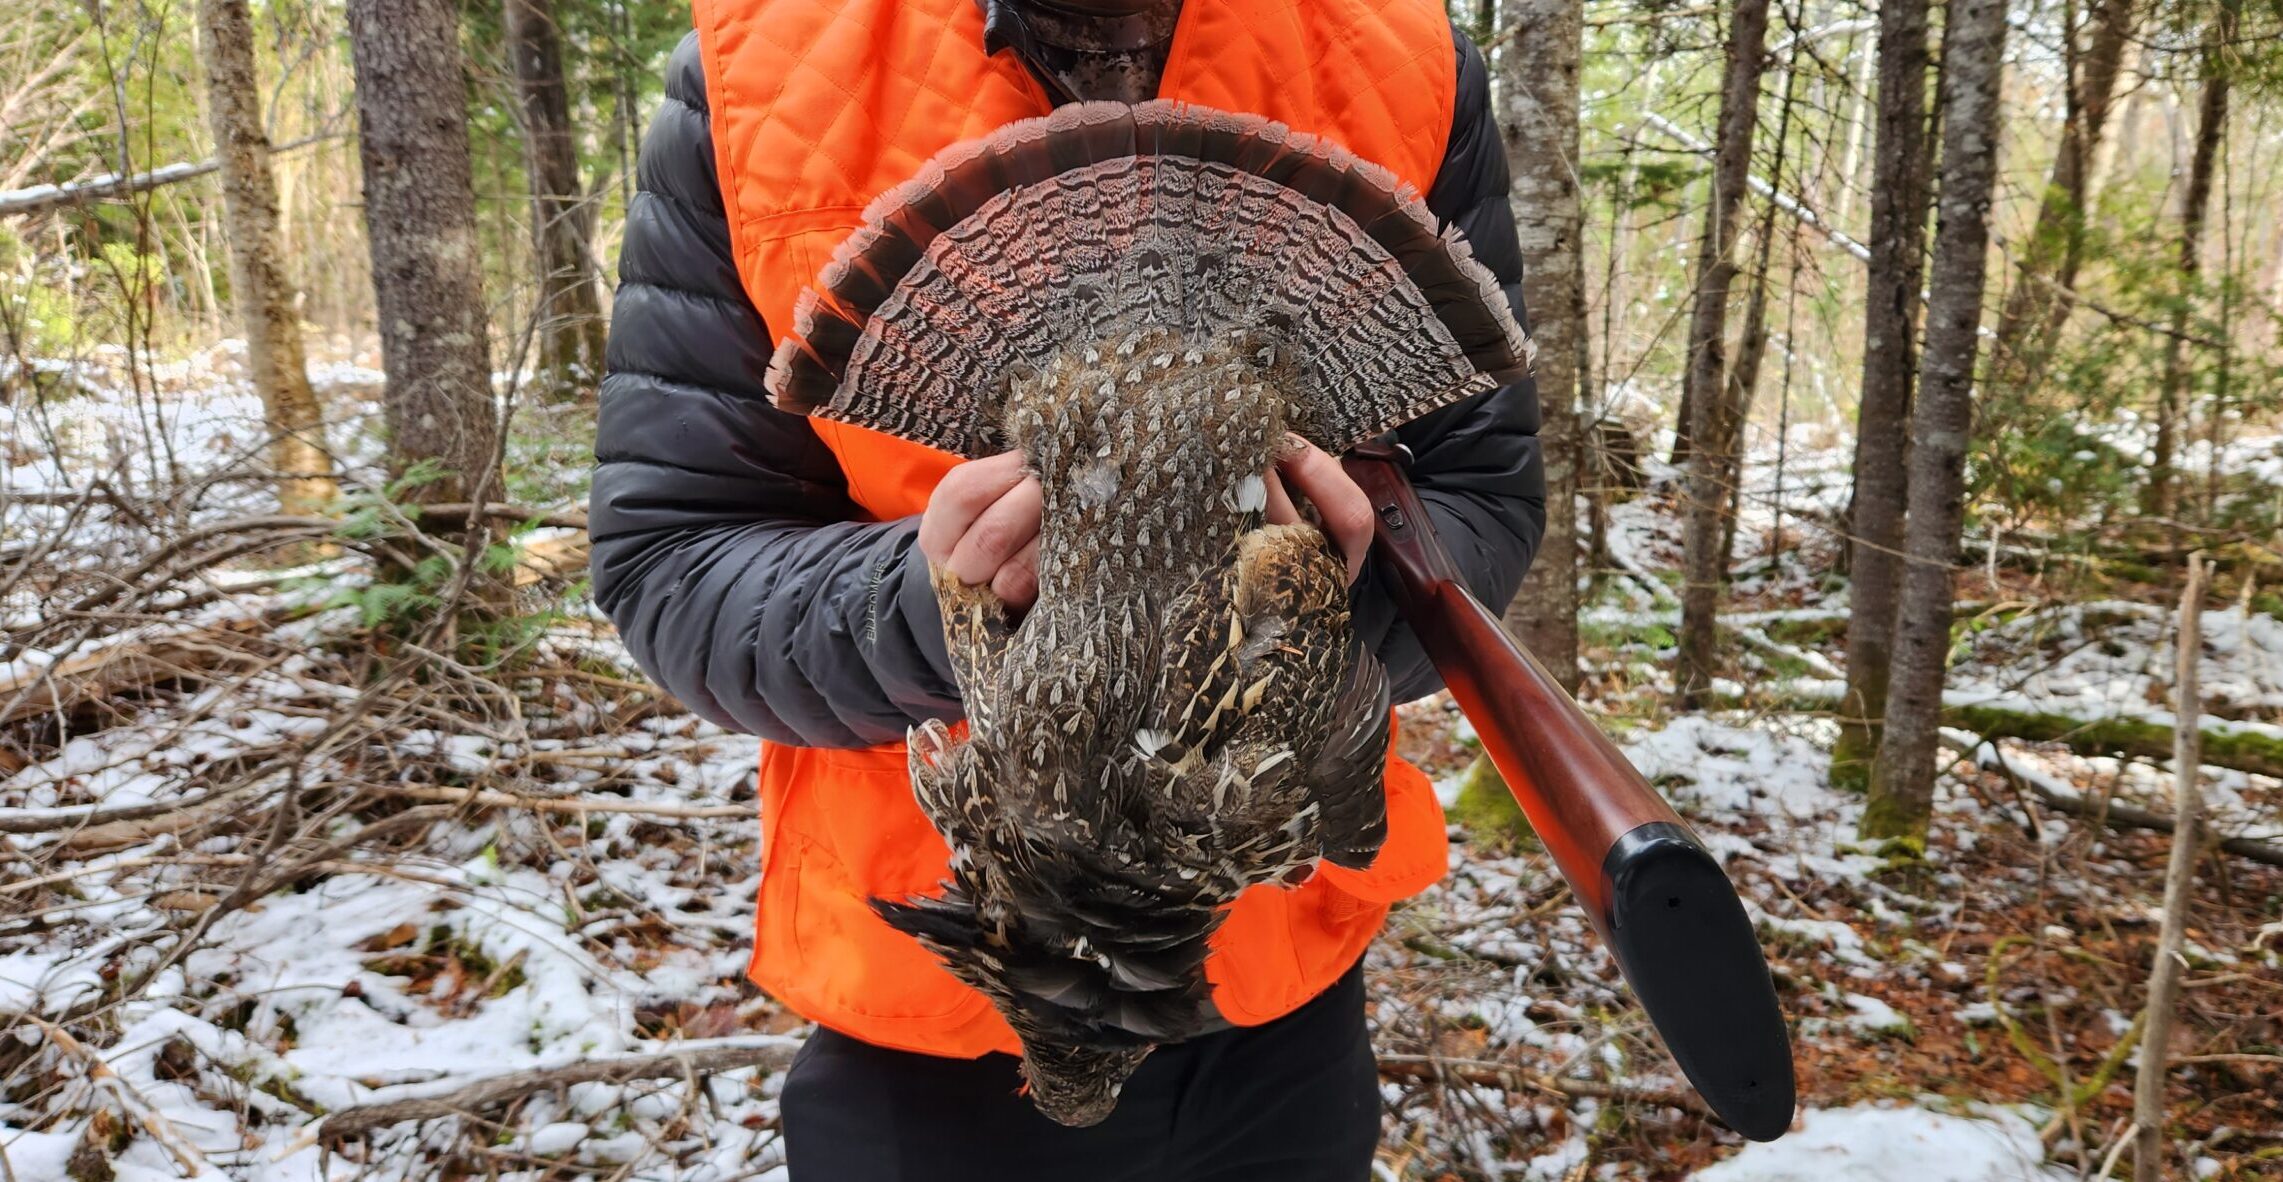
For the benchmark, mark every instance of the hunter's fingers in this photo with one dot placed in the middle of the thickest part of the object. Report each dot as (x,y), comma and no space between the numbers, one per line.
(963,495)
(1016,583)
(1342,509)
(997,535)
(1280,508)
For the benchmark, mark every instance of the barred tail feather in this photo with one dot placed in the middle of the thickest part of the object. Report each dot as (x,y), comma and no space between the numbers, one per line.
(1102,219)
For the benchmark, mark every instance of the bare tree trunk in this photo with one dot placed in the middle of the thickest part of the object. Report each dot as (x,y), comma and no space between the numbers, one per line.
(562,222)
(1538,84)
(420,215)
(1742,385)
(1902,780)
(265,300)
(2158,498)
(1743,382)
(1890,366)
(1703,394)
(2179,886)
(2046,264)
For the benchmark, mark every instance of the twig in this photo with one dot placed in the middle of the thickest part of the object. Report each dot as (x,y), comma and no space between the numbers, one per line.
(516,1085)
(2148,1106)
(41,198)
(492,798)
(456,514)
(44,820)
(275,529)
(1514,1079)
(186,1156)
(2115,814)
(1799,210)
(2116,1150)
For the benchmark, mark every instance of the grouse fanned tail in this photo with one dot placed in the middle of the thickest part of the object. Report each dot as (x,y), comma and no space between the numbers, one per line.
(1105,217)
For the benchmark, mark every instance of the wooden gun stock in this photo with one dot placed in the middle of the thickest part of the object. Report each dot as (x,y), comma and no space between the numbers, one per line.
(1660,901)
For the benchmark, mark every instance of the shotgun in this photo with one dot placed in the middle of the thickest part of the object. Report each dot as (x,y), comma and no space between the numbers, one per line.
(1660,902)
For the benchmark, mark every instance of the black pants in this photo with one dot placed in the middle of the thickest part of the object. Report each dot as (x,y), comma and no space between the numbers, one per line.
(1296,1100)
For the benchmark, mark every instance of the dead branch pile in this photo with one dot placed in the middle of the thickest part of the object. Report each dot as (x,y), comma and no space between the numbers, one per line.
(202,715)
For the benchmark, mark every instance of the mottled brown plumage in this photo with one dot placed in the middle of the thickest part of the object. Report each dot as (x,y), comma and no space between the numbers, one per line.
(1144,300)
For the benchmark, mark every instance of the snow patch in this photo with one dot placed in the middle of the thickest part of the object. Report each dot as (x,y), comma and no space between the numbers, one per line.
(1881,1144)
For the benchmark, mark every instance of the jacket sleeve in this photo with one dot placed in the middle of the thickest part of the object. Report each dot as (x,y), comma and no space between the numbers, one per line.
(1476,464)
(726,549)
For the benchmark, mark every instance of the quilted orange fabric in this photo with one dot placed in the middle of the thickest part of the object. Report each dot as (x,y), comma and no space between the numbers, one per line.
(817,107)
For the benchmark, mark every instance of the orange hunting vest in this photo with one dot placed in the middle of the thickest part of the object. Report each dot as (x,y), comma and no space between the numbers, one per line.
(817,107)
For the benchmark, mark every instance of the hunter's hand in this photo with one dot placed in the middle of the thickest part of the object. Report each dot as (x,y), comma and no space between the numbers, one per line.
(981,524)
(1343,512)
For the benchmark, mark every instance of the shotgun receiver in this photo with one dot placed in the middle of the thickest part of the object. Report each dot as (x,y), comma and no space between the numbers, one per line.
(1658,899)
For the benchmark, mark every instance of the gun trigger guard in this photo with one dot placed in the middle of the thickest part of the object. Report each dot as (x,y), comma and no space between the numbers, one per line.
(1386,448)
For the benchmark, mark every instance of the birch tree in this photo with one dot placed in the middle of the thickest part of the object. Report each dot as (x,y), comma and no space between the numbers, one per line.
(1538,86)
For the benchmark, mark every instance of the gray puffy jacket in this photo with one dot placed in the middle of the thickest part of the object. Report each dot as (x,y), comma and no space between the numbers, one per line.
(747,583)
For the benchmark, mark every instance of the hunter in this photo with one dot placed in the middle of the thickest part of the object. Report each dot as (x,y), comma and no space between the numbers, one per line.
(773,572)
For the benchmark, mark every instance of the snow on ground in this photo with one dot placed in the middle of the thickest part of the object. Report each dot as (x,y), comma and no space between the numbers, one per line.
(165,421)
(509,939)
(1875,1143)
(420,973)
(2113,658)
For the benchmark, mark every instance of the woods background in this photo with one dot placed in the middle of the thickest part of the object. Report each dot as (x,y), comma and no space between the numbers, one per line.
(1914,372)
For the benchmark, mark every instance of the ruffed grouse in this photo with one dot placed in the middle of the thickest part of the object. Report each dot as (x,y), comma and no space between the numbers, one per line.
(1144,300)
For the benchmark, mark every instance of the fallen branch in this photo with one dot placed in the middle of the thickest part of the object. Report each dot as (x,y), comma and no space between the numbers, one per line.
(512,1086)
(2243,747)
(2115,813)
(2225,744)
(456,513)
(2125,816)
(1510,1078)
(41,198)
(111,671)
(88,816)
(492,798)
(552,558)
(119,835)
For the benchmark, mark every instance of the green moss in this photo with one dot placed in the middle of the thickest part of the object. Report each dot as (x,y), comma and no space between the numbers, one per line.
(278,1086)
(1851,758)
(1899,826)
(1488,811)
(1810,633)
(2241,750)
(1902,1030)
(1630,633)
(1786,666)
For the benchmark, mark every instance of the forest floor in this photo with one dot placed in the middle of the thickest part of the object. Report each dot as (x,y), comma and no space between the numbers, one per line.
(260,880)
